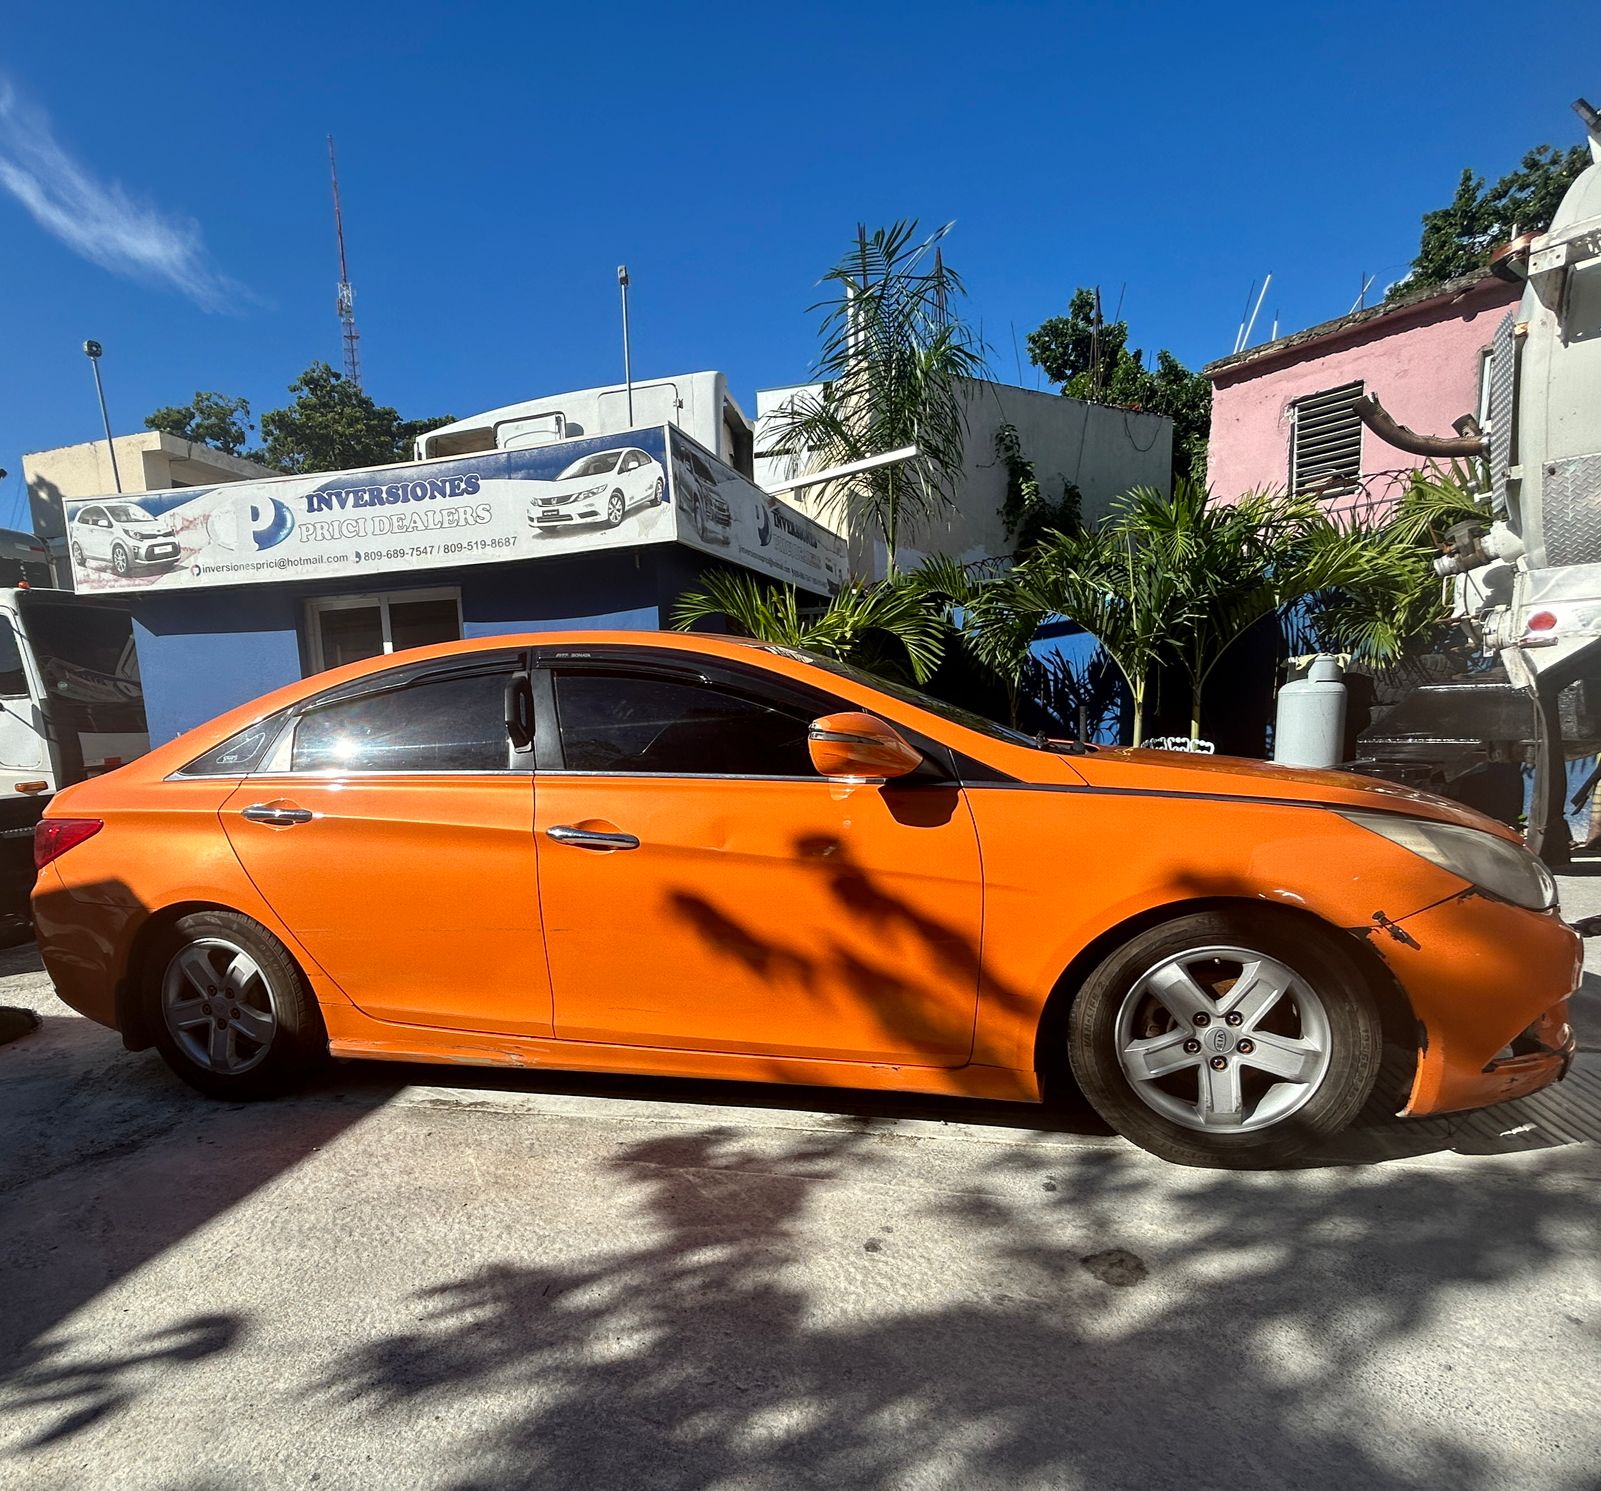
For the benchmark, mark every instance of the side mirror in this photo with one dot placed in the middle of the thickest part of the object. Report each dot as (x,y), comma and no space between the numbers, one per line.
(859,748)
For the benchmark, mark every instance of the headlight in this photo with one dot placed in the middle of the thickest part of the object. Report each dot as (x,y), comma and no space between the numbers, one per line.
(1505,870)
(591,492)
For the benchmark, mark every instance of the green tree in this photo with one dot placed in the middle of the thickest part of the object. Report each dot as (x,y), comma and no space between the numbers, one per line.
(893,357)
(892,628)
(331,424)
(1091,359)
(1029,514)
(1394,607)
(993,618)
(1181,577)
(208,419)
(1460,237)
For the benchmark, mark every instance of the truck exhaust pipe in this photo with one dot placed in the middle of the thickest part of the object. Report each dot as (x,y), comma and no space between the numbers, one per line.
(1468,440)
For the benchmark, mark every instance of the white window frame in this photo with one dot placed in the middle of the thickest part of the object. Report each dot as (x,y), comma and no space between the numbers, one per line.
(383,599)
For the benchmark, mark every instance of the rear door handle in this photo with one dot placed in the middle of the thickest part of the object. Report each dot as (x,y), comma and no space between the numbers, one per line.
(277,817)
(588,838)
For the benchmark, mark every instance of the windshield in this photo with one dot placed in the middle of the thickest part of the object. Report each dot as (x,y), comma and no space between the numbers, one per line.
(907,695)
(86,657)
(602,465)
(122,512)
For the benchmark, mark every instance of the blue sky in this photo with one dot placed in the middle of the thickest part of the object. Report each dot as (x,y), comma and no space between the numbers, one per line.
(498,161)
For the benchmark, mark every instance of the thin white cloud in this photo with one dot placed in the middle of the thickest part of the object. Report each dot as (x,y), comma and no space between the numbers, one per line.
(99,220)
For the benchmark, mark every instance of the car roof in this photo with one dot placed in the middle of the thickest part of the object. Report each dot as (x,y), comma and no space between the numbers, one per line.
(783,662)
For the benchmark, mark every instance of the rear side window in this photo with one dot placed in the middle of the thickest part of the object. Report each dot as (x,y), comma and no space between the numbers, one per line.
(620,722)
(240,754)
(13,678)
(441,724)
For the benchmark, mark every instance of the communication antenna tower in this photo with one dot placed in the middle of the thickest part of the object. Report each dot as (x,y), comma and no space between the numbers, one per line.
(347,296)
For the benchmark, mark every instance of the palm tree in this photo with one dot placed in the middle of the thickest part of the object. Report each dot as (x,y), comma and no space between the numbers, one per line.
(892,629)
(995,620)
(1183,577)
(1396,605)
(893,357)
(1102,579)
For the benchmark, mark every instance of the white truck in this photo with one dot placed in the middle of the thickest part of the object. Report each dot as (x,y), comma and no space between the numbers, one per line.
(1528,582)
(70,707)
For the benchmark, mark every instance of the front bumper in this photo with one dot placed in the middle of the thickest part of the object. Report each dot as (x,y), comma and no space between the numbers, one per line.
(1489,984)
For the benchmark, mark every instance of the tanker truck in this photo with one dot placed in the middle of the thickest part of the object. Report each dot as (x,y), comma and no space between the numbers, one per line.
(1527,581)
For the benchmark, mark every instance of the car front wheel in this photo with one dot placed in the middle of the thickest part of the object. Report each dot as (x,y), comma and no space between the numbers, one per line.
(231,1012)
(1226,1038)
(119,560)
(615,508)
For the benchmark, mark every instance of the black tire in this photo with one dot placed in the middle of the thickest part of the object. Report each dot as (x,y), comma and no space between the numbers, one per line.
(297,1043)
(119,559)
(616,509)
(1350,1025)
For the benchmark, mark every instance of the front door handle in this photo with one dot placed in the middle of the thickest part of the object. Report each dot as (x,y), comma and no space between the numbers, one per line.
(588,838)
(277,817)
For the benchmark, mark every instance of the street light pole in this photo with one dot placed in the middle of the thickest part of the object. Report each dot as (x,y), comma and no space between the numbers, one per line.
(92,351)
(628,372)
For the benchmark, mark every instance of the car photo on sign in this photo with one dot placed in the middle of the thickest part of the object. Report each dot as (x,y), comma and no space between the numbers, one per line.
(707,512)
(123,537)
(601,488)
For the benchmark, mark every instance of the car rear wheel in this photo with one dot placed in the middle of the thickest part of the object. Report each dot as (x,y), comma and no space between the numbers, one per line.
(1226,1038)
(231,1012)
(615,508)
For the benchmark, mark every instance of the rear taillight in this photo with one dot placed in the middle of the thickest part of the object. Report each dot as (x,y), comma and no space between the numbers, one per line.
(52,837)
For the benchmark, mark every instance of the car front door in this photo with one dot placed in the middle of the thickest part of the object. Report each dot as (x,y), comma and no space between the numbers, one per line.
(629,478)
(701,887)
(392,834)
(91,534)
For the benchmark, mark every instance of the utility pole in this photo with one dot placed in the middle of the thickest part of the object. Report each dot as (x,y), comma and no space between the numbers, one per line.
(347,295)
(92,351)
(628,369)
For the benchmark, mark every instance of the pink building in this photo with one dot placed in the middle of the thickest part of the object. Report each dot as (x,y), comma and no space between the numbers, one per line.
(1281,412)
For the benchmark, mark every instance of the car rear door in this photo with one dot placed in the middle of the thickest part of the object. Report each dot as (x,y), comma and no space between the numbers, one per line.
(391,830)
(703,888)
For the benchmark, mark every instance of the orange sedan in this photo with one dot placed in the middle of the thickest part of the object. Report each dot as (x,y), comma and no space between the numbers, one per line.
(698,856)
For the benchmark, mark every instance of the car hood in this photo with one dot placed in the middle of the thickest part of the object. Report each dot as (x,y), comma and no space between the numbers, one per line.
(1194,775)
(571,486)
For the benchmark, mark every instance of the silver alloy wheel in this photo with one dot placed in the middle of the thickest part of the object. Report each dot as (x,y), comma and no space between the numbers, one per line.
(1223,1039)
(218,1006)
(614,509)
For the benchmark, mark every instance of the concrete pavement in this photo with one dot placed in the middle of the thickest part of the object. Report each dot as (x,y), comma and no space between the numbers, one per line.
(423,1278)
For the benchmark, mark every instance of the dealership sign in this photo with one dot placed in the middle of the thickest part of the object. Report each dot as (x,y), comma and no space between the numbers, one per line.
(574,496)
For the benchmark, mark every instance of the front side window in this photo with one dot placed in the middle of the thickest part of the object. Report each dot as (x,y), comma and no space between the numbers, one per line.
(455,724)
(664,726)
